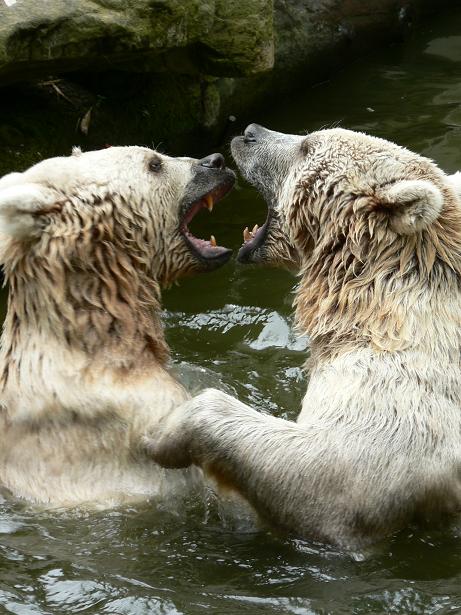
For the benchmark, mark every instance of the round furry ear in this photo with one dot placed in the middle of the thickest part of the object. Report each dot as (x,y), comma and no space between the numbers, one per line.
(455,182)
(21,205)
(412,205)
(10,180)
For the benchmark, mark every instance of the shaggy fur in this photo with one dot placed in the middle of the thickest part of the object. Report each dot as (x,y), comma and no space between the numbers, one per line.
(376,231)
(87,243)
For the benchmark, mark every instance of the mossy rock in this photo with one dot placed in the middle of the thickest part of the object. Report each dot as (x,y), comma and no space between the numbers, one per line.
(58,36)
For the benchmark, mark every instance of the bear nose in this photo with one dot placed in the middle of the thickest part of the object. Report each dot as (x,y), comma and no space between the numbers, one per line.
(213,161)
(251,132)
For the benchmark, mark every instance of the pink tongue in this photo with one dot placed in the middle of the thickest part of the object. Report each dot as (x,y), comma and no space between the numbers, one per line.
(206,247)
(201,243)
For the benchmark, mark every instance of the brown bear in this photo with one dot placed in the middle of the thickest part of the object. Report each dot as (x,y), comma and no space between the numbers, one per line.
(375,233)
(87,242)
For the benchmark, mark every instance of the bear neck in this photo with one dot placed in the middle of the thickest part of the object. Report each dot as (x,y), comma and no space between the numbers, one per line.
(108,316)
(404,297)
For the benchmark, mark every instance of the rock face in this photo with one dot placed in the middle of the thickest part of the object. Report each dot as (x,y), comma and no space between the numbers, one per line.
(215,37)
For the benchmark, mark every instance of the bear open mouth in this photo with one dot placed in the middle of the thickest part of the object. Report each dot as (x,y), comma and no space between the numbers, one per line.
(206,250)
(253,240)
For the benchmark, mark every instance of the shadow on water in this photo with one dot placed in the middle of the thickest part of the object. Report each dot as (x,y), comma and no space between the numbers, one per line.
(231,329)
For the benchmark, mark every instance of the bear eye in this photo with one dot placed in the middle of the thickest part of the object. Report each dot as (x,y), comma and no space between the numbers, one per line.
(155,164)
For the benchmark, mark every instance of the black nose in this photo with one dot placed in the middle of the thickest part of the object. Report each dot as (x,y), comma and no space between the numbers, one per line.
(213,161)
(251,133)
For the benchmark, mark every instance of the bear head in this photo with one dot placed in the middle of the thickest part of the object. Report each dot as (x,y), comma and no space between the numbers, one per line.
(362,219)
(132,197)
(91,238)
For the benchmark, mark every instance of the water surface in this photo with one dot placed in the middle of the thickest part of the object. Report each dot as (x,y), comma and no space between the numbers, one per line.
(231,329)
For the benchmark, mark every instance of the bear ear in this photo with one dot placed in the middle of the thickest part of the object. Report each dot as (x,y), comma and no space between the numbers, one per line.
(455,182)
(412,205)
(21,205)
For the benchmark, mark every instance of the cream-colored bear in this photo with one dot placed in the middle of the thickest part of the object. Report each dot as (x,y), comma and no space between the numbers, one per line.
(375,232)
(87,243)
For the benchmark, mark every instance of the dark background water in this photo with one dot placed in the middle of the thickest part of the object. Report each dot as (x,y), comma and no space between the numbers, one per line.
(231,329)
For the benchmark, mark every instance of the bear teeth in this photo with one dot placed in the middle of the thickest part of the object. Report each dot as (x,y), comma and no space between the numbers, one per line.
(249,235)
(213,241)
(209,202)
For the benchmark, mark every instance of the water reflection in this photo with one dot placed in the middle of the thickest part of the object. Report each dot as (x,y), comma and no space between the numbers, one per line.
(448,47)
(138,561)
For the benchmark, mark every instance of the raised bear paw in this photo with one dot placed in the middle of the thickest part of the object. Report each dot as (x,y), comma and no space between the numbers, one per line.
(169,444)
(182,434)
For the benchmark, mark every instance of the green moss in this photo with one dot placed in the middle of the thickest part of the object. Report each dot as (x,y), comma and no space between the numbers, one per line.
(241,42)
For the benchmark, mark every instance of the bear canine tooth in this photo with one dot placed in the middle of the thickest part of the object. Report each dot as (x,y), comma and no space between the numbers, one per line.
(209,202)
(255,228)
(246,234)
(213,241)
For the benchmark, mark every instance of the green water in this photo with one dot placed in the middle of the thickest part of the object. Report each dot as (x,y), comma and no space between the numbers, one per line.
(231,329)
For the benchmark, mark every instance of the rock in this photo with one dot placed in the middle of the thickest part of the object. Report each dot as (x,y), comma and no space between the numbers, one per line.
(241,26)
(58,36)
